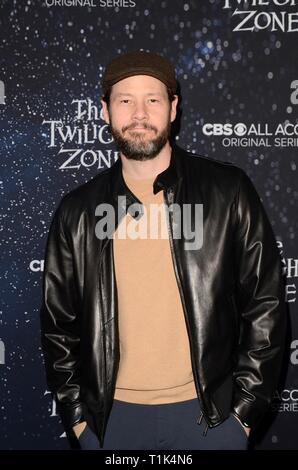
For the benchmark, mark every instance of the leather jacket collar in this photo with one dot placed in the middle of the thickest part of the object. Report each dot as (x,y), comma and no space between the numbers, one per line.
(165,180)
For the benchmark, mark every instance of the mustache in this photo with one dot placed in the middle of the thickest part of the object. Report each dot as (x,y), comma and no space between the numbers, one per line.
(133,126)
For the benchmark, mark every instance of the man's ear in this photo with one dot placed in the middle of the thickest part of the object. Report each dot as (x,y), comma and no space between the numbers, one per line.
(105,111)
(174,104)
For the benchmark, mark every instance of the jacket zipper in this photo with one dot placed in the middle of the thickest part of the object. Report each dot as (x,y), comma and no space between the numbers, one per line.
(202,415)
(105,244)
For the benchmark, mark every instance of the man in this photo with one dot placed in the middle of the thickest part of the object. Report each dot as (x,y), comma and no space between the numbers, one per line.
(149,335)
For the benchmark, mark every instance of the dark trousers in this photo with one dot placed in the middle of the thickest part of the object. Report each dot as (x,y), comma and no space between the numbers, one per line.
(169,426)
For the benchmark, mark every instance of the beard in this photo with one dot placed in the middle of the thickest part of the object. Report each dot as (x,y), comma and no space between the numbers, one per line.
(139,146)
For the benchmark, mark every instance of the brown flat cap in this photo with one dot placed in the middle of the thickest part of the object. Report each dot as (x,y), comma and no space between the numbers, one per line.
(139,63)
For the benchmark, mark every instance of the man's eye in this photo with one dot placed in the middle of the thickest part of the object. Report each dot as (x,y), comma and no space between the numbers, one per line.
(151,100)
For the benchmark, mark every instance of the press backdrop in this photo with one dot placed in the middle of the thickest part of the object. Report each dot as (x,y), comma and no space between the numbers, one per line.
(236,62)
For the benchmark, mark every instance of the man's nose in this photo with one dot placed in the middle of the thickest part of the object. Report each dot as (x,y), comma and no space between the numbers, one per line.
(140,111)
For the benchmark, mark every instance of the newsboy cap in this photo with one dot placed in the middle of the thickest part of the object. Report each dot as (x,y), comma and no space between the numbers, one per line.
(139,63)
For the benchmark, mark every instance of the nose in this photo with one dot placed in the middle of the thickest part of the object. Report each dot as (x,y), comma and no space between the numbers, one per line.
(140,112)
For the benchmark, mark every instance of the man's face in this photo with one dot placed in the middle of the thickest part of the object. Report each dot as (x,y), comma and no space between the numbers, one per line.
(140,116)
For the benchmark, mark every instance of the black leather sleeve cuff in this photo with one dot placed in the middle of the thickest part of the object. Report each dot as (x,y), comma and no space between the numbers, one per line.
(71,414)
(249,412)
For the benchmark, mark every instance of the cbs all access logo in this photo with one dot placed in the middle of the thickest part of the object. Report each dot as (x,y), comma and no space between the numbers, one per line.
(240,134)
(2,92)
(254,135)
(285,401)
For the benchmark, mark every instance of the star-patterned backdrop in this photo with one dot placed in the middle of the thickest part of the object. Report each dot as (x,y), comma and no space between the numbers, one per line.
(238,77)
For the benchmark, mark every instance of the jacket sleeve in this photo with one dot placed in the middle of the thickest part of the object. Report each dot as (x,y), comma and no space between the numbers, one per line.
(60,334)
(260,300)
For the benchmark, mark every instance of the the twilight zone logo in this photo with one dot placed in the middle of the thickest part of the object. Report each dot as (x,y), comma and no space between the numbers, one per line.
(75,141)
(53,409)
(260,15)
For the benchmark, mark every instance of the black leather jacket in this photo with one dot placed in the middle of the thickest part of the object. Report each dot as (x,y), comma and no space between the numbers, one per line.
(231,291)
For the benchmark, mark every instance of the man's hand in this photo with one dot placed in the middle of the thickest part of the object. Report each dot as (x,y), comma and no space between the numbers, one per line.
(79,428)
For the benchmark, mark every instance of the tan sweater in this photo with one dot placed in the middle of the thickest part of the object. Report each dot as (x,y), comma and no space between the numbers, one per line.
(155,364)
